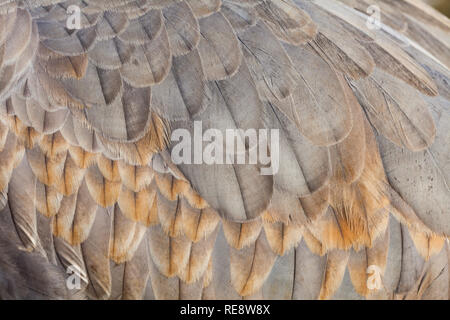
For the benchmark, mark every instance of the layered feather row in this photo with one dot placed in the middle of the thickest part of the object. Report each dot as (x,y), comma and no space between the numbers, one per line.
(363,114)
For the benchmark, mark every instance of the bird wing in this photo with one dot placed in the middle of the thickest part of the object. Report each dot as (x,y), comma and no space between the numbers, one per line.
(91,92)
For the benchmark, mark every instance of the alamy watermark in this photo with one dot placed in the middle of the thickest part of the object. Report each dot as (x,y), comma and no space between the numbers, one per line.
(236,146)
(73,21)
(374,20)
(374,281)
(73,281)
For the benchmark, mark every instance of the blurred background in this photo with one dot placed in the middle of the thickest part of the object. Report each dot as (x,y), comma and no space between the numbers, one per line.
(441,5)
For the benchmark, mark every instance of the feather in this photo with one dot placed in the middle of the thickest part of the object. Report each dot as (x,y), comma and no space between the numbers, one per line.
(21,200)
(241,235)
(303,166)
(48,200)
(83,159)
(348,157)
(199,259)
(70,178)
(170,214)
(414,21)
(66,67)
(336,44)
(182,27)
(109,168)
(198,224)
(86,137)
(287,21)
(7,23)
(169,186)
(135,178)
(73,45)
(369,263)
(400,274)
(427,245)
(173,288)
(308,273)
(98,87)
(387,54)
(136,205)
(72,260)
(94,108)
(3,135)
(239,15)
(27,136)
(163,288)
(396,111)
(17,42)
(423,190)
(220,52)
(95,252)
(334,273)
(112,24)
(141,151)
(202,8)
(170,255)
(149,63)
(75,216)
(123,233)
(221,284)
(11,152)
(47,170)
(110,54)
(231,109)
(183,93)
(271,68)
(298,210)
(103,191)
(282,238)
(143,29)
(251,266)
(359,210)
(136,274)
(325,119)
(281,281)
(53,144)
(20,109)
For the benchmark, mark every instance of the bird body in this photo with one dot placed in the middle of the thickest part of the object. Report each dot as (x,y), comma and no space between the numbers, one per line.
(344,105)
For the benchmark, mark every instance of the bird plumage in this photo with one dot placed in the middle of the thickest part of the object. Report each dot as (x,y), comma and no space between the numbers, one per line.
(87,180)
